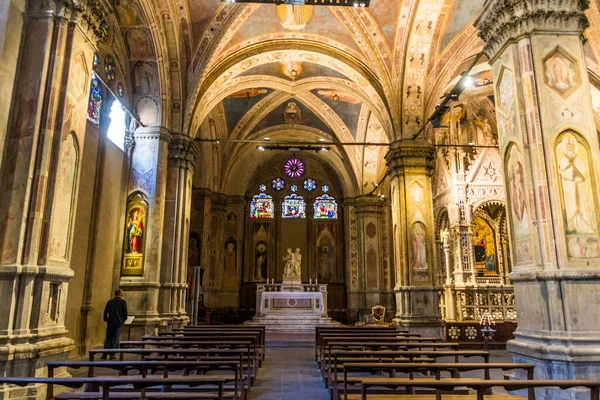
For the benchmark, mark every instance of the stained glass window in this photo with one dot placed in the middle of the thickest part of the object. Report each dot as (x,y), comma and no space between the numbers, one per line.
(96,60)
(262,187)
(325,188)
(310,184)
(325,207)
(293,207)
(294,168)
(95,100)
(109,68)
(294,188)
(262,206)
(278,184)
(120,89)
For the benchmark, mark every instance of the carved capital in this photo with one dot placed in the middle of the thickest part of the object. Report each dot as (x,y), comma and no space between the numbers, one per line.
(504,20)
(369,204)
(410,156)
(183,151)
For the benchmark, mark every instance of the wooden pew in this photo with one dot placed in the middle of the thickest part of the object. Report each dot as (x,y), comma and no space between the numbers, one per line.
(142,385)
(148,368)
(220,329)
(253,337)
(199,344)
(185,354)
(345,330)
(393,355)
(223,334)
(411,368)
(481,386)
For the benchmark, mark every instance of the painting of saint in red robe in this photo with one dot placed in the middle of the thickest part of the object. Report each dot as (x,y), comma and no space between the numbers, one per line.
(135,230)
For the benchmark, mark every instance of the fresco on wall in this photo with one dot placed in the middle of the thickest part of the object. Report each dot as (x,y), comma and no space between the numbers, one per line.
(484,244)
(261,240)
(237,104)
(293,70)
(294,18)
(461,13)
(230,263)
(66,179)
(147,110)
(372,268)
(128,12)
(345,105)
(276,117)
(577,196)
(139,44)
(517,194)
(145,78)
(268,20)
(560,73)
(386,14)
(135,237)
(418,253)
(325,254)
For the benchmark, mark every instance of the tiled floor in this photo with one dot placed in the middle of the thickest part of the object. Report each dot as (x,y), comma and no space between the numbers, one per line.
(289,374)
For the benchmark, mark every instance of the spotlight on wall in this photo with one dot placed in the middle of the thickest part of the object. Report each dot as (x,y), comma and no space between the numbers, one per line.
(260,148)
(267,139)
(468,82)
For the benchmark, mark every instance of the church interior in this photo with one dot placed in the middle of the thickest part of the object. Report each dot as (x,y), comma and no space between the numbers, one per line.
(439,159)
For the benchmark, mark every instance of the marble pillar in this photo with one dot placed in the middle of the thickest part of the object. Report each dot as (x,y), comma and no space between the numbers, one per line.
(173,270)
(148,184)
(42,147)
(410,164)
(551,156)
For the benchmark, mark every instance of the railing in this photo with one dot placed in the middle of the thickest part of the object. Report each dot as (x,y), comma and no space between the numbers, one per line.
(304,287)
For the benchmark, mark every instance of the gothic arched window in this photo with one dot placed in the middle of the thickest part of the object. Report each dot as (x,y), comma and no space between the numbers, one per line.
(293,207)
(325,207)
(262,206)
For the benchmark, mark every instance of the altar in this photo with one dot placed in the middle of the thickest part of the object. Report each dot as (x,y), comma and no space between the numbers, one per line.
(298,308)
(291,305)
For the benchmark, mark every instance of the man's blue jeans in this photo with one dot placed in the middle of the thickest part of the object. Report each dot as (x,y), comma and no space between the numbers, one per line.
(112,337)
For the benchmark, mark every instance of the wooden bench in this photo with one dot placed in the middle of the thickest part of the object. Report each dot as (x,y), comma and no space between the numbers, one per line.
(411,368)
(345,330)
(333,362)
(481,386)
(252,337)
(148,368)
(171,354)
(223,330)
(141,387)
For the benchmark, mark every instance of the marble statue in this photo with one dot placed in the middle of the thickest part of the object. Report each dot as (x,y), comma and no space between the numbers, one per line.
(292,270)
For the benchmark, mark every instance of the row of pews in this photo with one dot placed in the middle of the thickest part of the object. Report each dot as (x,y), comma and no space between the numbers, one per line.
(386,363)
(194,362)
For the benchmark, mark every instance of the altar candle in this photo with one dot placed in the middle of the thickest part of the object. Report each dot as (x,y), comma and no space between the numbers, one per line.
(317,281)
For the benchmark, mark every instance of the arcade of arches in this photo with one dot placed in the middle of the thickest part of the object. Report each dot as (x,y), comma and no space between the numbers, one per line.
(146,143)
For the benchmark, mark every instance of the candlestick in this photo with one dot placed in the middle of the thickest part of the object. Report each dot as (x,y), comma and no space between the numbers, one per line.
(310,283)
(317,281)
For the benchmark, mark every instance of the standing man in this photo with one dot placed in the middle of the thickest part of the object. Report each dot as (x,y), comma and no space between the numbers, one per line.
(115,314)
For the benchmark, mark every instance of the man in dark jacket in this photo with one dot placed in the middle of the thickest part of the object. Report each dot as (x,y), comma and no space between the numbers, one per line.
(115,314)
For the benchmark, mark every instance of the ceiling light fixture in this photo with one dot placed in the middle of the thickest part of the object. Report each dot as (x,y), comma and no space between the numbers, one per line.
(343,3)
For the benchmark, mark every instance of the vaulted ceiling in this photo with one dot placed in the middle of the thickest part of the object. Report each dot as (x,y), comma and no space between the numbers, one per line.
(343,74)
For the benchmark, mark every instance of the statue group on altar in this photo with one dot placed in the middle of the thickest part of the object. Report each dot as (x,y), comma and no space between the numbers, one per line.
(292,270)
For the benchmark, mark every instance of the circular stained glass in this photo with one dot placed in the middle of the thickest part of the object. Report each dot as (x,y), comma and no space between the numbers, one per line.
(325,188)
(262,187)
(294,188)
(278,184)
(294,168)
(109,68)
(310,184)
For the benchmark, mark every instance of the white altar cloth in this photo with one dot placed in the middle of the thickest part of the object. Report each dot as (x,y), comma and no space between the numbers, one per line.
(292,303)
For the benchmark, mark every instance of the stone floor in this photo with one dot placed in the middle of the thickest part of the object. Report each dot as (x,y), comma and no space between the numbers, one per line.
(291,373)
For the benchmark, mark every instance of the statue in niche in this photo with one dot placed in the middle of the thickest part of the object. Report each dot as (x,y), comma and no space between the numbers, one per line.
(261,256)
(292,270)
(292,114)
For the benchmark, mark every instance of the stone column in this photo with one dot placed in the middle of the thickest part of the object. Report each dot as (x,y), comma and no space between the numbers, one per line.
(173,271)
(45,134)
(148,180)
(410,164)
(369,215)
(551,157)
